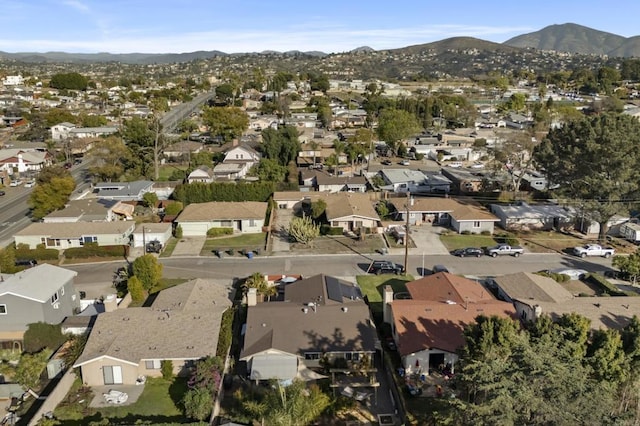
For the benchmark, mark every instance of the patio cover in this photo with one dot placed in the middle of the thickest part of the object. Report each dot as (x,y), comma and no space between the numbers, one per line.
(274,366)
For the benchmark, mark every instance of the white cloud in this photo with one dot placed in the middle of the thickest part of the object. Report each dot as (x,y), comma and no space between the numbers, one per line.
(78,5)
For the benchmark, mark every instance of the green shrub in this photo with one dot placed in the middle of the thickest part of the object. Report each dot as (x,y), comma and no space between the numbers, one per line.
(40,335)
(466,232)
(94,250)
(604,285)
(217,232)
(166,367)
(485,232)
(226,332)
(329,230)
(39,253)
(173,208)
(177,232)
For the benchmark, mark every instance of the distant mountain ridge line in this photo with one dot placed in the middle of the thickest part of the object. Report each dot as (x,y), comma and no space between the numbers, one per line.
(571,38)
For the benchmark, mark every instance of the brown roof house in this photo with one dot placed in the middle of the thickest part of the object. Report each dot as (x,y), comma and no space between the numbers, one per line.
(321,319)
(535,295)
(182,325)
(462,215)
(241,216)
(351,211)
(428,328)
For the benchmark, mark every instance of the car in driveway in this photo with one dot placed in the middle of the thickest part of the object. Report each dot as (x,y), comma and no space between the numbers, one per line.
(573,274)
(405,163)
(468,252)
(379,267)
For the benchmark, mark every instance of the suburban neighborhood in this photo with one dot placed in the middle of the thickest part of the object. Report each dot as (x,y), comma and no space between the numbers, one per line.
(195,245)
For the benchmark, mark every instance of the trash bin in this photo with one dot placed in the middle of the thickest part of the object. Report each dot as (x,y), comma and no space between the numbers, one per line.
(250,254)
(384,250)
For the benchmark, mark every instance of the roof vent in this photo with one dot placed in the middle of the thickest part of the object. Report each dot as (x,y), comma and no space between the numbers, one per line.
(305,310)
(450,302)
(345,309)
(264,324)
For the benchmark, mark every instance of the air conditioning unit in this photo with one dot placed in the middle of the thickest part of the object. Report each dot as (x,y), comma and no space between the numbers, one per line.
(56,306)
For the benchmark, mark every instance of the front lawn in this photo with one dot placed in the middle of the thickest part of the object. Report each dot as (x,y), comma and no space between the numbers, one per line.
(372,287)
(456,241)
(238,242)
(169,247)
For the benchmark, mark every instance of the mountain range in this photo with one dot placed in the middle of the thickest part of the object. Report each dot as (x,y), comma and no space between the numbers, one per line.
(571,38)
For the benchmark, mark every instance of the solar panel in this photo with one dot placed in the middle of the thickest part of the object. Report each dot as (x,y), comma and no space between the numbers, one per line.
(334,291)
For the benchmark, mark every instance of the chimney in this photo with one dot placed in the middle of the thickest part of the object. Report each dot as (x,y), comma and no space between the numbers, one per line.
(110,303)
(252,297)
(234,142)
(387,299)
(537,311)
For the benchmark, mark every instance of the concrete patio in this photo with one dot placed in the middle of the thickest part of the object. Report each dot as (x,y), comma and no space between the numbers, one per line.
(134,392)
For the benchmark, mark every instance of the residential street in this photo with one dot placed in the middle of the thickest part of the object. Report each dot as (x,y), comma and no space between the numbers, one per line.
(95,279)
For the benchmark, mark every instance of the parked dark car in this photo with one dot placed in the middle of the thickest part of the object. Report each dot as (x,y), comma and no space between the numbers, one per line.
(29,263)
(468,251)
(386,162)
(154,246)
(385,267)
(439,268)
(2,193)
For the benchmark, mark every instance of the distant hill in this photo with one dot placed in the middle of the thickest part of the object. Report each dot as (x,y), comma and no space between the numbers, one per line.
(576,38)
(568,37)
(456,43)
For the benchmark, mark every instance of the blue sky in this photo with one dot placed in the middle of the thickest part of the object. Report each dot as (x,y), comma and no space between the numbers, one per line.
(176,26)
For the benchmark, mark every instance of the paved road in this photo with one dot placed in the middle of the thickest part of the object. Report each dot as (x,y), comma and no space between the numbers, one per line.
(14,210)
(95,279)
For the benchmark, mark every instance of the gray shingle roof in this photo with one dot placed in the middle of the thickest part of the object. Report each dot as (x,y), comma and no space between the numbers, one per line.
(37,283)
(180,330)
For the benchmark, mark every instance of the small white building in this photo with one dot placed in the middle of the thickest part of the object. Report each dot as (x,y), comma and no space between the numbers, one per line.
(146,232)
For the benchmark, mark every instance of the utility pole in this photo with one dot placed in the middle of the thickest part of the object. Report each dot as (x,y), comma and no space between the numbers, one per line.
(406,234)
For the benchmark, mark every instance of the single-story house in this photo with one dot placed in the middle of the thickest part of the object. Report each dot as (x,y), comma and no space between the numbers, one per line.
(231,171)
(414,181)
(123,191)
(428,329)
(325,182)
(351,211)
(183,149)
(92,132)
(243,216)
(181,326)
(44,293)
(534,296)
(462,215)
(321,319)
(61,236)
(90,210)
(522,216)
(146,232)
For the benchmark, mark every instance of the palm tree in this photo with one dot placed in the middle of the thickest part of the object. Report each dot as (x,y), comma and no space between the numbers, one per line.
(259,282)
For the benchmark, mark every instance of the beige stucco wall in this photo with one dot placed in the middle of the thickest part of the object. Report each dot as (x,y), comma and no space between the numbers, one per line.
(92,372)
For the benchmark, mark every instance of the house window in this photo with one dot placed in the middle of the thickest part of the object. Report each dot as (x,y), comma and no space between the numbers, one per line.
(252,223)
(226,223)
(153,364)
(348,356)
(55,297)
(476,224)
(312,355)
(3,309)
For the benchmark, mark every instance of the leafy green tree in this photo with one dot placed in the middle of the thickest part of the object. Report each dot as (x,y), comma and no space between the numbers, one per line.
(281,145)
(382,209)
(269,170)
(150,199)
(259,282)
(69,81)
(58,115)
(109,159)
(48,197)
(318,209)
(293,405)
(228,122)
(396,125)
(136,289)
(628,265)
(148,270)
(92,120)
(41,335)
(74,349)
(198,403)
(594,160)
(606,355)
(303,230)
(30,368)
(8,260)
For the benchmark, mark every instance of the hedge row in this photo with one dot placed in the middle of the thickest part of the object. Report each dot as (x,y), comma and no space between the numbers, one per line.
(217,232)
(329,230)
(604,285)
(93,250)
(40,253)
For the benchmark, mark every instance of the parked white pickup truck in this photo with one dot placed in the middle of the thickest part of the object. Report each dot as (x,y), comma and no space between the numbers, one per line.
(593,250)
(504,249)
